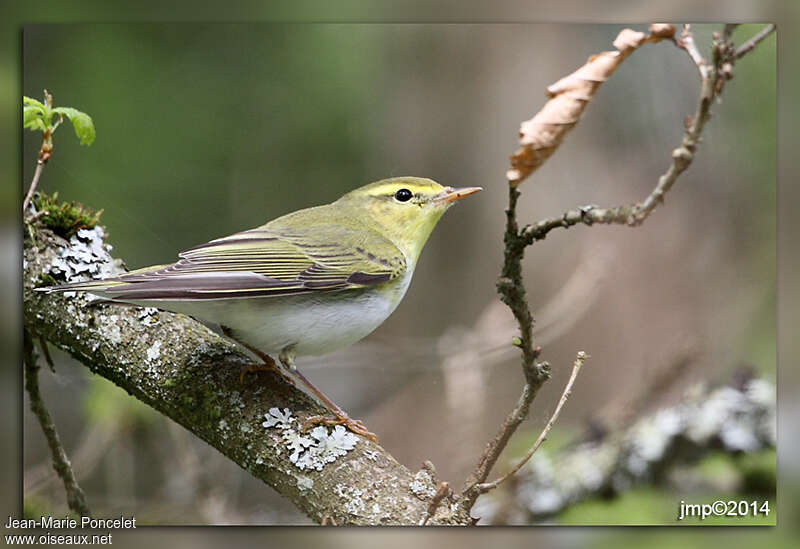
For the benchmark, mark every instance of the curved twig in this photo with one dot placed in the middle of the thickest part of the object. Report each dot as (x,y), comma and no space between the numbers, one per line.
(76,499)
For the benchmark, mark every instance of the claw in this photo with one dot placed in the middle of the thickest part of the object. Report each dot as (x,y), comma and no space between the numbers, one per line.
(355,425)
(253,369)
(263,367)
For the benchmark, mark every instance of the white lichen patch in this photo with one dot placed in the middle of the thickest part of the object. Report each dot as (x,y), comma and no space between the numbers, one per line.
(223,427)
(109,327)
(86,257)
(304,483)
(278,419)
(153,352)
(315,449)
(422,486)
(353,498)
(148,316)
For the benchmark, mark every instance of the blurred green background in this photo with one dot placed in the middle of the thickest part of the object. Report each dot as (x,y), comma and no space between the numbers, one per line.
(207,129)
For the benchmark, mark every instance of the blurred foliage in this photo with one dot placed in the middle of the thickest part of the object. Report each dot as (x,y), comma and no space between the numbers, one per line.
(34,507)
(749,477)
(303,105)
(107,404)
(650,506)
(758,471)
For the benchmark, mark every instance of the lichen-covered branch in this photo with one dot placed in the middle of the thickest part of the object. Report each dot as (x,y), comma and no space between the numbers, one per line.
(188,373)
(735,419)
(76,499)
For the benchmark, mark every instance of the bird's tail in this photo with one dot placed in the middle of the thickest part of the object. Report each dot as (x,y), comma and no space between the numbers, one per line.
(101,285)
(82,286)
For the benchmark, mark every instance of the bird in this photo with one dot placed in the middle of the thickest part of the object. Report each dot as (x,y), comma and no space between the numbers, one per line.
(306,283)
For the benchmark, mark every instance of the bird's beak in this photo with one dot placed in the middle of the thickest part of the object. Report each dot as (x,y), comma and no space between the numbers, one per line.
(449,194)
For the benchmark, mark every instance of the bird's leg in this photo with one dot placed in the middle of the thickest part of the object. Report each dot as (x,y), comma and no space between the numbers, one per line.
(268,363)
(339,416)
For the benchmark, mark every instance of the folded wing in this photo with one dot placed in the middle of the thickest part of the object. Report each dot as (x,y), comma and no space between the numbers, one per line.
(267,261)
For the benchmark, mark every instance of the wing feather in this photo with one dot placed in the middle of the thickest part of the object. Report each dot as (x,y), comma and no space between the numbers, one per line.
(262,262)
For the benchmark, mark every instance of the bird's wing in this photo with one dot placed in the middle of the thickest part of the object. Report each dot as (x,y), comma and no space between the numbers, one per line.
(265,261)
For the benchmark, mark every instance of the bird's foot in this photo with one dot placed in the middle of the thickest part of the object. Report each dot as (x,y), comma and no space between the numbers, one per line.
(266,366)
(355,425)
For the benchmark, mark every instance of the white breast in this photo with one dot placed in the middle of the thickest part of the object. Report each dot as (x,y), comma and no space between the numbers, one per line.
(314,323)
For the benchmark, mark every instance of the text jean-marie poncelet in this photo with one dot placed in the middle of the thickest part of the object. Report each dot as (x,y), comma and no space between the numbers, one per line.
(70,523)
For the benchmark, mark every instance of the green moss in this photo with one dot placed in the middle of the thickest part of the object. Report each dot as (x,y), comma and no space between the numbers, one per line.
(215,412)
(64,218)
(47,280)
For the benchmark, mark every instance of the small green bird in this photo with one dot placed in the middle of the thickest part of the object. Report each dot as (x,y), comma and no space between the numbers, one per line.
(307,283)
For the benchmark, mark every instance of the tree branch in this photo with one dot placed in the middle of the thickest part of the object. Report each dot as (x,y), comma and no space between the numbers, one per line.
(34,182)
(76,499)
(188,373)
(712,78)
(748,46)
(539,138)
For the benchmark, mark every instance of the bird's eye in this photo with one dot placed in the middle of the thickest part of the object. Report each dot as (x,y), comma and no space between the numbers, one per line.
(403,195)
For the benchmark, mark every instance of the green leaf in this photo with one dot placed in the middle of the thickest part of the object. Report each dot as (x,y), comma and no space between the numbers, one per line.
(33,117)
(82,122)
(30,101)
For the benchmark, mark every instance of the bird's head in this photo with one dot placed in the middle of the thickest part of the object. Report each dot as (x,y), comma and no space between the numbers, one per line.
(405,209)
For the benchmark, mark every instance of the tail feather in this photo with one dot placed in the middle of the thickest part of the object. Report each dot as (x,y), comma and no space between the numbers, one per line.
(100,285)
(82,286)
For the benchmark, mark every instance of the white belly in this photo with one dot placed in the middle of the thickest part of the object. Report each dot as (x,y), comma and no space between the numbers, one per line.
(314,324)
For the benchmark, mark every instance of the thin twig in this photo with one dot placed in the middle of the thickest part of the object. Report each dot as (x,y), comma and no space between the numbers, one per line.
(712,79)
(540,137)
(576,368)
(46,352)
(727,31)
(36,175)
(568,97)
(328,520)
(686,42)
(436,500)
(747,47)
(76,499)
(45,152)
